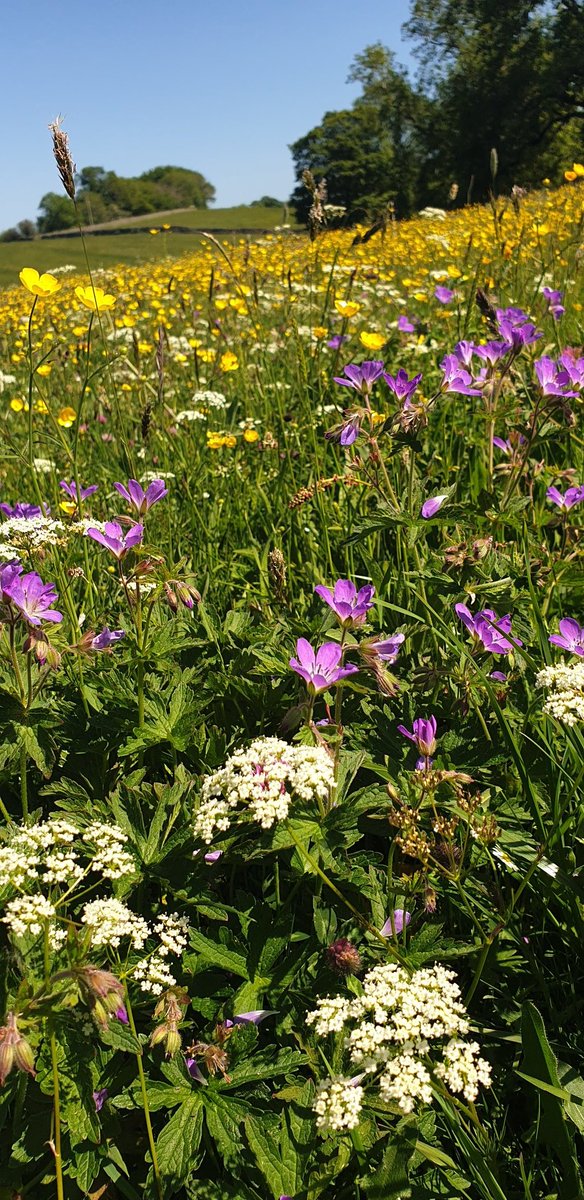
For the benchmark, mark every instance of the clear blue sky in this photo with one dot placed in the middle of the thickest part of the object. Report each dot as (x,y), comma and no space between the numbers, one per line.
(222,88)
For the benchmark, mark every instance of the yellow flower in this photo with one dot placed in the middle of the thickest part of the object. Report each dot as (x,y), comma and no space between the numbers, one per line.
(347,308)
(67,417)
(570,176)
(319,332)
(166,226)
(68,507)
(578,169)
(95,298)
(18,405)
(45,369)
(153,231)
(372,341)
(250,435)
(546,182)
(41,407)
(230,440)
(38,285)
(228,361)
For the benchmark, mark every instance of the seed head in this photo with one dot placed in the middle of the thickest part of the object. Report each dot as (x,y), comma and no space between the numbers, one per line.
(63,159)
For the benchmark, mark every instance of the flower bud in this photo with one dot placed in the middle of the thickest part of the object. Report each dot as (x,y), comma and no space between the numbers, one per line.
(6,1060)
(343,958)
(15,1051)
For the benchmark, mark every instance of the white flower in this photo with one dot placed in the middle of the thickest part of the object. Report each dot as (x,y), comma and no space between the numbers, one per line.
(406,1080)
(337,1105)
(28,914)
(566,701)
(108,856)
(153,975)
(109,922)
(173,931)
(264,778)
(463,1068)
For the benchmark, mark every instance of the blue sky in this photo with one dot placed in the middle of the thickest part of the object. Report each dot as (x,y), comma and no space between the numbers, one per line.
(221,88)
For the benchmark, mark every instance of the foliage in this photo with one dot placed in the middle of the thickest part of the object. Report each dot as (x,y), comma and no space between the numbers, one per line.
(504,77)
(103,195)
(157,970)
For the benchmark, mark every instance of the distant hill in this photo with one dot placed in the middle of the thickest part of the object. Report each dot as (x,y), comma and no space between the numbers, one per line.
(103,196)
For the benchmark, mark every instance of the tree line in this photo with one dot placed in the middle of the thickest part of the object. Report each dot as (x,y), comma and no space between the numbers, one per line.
(104,196)
(503,77)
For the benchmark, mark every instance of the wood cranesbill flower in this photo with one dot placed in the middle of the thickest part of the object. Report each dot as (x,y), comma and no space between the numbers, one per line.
(31,596)
(361,377)
(570,637)
(71,490)
(422,734)
(431,507)
(443,294)
(107,638)
(489,630)
(395,922)
(401,386)
(554,300)
(456,378)
(320,669)
(28,511)
(552,379)
(572,496)
(113,537)
(142,500)
(348,604)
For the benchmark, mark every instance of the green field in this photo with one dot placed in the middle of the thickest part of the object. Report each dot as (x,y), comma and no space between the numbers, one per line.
(107,250)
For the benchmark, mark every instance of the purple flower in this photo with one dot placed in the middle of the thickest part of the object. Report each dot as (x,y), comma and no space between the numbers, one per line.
(405,324)
(253,1018)
(574,495)
(456,379)
(400,918)
(552,380)
(387,649)
(517,336)
(348,604)
(71,490)
(464,352)
(491,352)
(8,574)
(443,294)
(99,1098)
(500,676)
(32,597)
(574,367)
(195,1071)
(113,538)
(482,627)
(350,431)
(430,507)
(423,734)
(320,670)
(401,385)
(121,1015)
(361,378)
(142,500)
(570,637)
(337,341)
(554,302)
(28,511)
(514,316)
(213,856)
(107,638)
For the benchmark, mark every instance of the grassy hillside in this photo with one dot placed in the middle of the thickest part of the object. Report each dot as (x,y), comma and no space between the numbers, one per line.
(105,250)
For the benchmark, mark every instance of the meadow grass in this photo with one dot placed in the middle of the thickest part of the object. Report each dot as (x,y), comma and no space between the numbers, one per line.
(416,809)
(52,251)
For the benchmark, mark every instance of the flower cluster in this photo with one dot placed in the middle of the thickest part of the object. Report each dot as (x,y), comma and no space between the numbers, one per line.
(57,852)
(263,779)
(109,923)
(566,698)
(405,1029)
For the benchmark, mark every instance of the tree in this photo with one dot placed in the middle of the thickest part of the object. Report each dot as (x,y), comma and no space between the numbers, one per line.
(56,212)
(504,75)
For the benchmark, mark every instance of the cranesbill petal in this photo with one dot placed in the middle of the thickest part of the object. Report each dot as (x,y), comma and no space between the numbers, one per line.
(344,591)
(134,537)
(325,594)
(328,657)
(305,654)
(122,489)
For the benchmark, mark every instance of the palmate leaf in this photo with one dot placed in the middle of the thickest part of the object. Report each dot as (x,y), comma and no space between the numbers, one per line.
(218,954)
(390,1180)
(280,1145)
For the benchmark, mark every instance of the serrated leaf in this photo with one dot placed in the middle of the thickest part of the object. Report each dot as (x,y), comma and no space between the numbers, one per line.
(177,1145)
(218,954)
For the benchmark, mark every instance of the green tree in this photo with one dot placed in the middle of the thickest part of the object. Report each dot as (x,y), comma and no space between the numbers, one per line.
(504,75)
(55,212)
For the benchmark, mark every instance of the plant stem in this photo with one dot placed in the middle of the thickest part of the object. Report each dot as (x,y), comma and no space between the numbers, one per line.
(56,1147)
(145,1105)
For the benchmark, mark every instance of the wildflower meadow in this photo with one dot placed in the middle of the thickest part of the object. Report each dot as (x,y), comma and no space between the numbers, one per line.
(292,715)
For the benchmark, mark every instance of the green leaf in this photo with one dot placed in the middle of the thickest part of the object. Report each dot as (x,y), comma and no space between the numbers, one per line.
(390,1180)
(224,1116)
(218,954)
(177,1145)
(540,1063)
